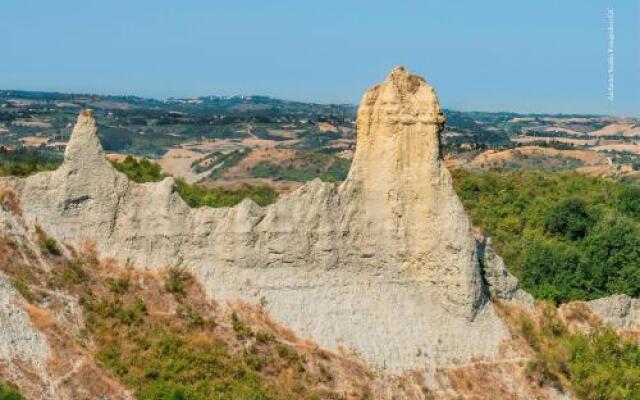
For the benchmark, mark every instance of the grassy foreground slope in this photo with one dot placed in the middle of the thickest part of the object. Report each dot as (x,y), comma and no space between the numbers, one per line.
(600,365)
(159,335)
(567,236)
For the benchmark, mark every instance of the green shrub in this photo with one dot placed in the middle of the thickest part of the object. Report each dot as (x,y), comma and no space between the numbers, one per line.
(628,200)
(288,353)
(604,366)
(132,314)
(118,285)
(74,273)
(139,171)
(569,218)
(598,366)
(612,252)
(553,271)
(176,280)
(21,285)
(264,337)
(193,318)
(50,245)
(9,392)
(161,362)
(240,328)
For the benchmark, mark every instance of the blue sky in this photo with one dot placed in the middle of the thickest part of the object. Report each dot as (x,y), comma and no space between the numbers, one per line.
(534,56)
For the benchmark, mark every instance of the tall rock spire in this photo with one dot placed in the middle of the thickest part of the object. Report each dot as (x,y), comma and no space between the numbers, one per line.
(84,144)
(399,124)
(404,192)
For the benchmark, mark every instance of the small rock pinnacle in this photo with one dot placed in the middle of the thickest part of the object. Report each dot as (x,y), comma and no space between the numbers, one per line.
(84,144)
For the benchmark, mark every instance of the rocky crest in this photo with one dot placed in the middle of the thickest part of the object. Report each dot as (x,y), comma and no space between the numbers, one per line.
(619,311)
(385,263)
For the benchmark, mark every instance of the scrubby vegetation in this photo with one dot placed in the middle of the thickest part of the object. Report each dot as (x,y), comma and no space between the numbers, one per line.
(176,280)
(567,236)
(24,161)
(195,195)
(597,366)
(50,245)
(139,171)
(174,344)
(167,359)
(9,392)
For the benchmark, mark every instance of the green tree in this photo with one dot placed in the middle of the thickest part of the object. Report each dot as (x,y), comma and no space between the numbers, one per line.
(612,253)
(567,236)
(553,271)
(628,200)
(569,217)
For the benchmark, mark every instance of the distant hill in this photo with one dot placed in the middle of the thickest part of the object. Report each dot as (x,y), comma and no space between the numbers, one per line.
(236,105)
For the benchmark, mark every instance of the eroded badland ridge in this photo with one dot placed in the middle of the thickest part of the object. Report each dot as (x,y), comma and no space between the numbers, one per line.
(355,263)
(384,264)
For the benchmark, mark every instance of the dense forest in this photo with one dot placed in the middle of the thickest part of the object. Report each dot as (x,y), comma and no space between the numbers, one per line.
(566,236)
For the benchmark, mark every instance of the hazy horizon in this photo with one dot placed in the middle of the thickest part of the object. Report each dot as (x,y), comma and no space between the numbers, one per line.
(492,56)
(299,101)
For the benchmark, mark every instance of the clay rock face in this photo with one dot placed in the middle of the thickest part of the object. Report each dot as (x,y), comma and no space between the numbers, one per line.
(83,194)
(384,264)
(404,192)
(501,284)
(19,339)
(618,311)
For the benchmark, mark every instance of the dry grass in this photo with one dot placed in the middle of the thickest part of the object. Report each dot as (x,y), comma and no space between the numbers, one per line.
(9,201)
(578,317)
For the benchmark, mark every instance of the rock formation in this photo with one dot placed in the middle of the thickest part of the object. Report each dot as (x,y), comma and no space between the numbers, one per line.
(619,311)
(20,339)
(384,263)
(501,284)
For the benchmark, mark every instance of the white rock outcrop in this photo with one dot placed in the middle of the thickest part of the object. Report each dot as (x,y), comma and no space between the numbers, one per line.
(501,284)
(619,311)
(20,342)
(384,263)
